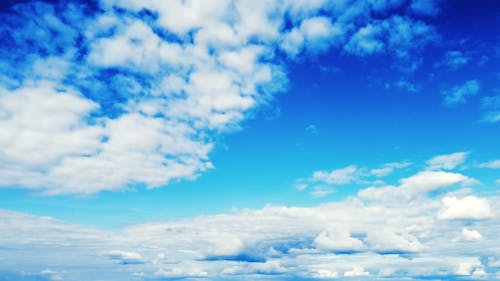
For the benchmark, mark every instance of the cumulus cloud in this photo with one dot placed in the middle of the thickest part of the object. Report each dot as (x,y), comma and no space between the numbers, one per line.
(470,235)
(461,93)
(414,186)
(469,207)
(132,93)
(356,271)
(350,237)
(447,161)
(337,241)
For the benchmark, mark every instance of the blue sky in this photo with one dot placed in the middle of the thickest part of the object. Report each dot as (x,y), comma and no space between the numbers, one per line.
(161,140)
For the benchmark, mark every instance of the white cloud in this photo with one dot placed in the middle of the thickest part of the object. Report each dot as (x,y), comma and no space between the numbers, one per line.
(386,241)
(389,168)
(469,207)
(470,235)
(324,274)
(321,191)
(447,161)
(337,241)
(494,164)
(366,41)
(459,94)
(322,241)
(356,271)
(340,176)
(414,186)
(125,257)
(182,76)
(466,268)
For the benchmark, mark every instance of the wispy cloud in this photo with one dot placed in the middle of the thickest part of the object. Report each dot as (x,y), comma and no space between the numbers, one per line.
(461,93)
(453,60)
(447,161)
(388,168)
(494,164)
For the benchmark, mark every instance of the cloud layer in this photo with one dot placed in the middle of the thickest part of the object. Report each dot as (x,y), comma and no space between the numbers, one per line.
(408,233)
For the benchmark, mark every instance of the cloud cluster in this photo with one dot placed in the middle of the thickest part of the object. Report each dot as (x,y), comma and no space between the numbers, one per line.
(121,93)
(366,236)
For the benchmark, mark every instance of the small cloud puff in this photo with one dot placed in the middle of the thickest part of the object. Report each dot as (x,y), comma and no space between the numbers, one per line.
(356,272)
(125,257)
(469,235)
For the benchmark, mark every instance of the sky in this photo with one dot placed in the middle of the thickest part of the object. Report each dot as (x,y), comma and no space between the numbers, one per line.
(249,140)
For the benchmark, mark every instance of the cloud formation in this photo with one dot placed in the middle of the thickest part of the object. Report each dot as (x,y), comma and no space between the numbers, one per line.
(133,94)
(426,237)
(461,93)
(447,161)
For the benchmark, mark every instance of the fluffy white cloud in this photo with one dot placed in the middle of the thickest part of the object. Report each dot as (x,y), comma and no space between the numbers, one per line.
(356,271)
(345,238)
(470,235)
(337,241)
(469,207)
(414,186)
(447,161)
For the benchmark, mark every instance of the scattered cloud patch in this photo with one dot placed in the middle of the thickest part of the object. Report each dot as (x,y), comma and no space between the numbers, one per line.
(461,93)
(491,117)
(494,164)
(447,161)
(453,60)
(339,176)
(312,129)
(414,186)
(389,168)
